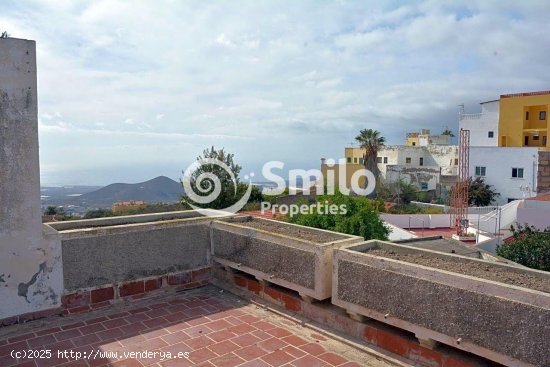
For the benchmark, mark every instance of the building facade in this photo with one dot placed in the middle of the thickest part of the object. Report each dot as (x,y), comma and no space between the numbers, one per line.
(523,120)
(512,171)
(420,166)
(483,126)
(509,145)
(424,138)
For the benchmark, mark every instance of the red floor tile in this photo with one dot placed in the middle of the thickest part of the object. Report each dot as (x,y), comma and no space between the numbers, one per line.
(216,332)
(278,358)
(332,358)
(228,360)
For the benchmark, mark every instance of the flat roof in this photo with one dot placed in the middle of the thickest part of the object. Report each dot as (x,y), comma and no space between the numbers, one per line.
(441,244)
(525,94)
(493,100)
(545,197)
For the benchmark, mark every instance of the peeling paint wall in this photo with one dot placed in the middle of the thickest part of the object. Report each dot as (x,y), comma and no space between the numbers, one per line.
(30,260)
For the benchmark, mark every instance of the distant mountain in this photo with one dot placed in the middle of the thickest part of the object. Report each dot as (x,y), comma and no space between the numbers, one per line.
(158,190)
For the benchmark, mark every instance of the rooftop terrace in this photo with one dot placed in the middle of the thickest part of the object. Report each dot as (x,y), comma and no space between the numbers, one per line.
(214,327)
(236,291)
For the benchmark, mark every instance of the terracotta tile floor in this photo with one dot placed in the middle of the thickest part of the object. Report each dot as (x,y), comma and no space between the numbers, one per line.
(215,328)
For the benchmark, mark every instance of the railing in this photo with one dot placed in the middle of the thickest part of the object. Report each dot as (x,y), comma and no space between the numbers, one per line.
(496,218)
(470,116)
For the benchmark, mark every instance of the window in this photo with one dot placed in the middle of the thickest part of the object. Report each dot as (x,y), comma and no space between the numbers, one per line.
(491,134)
(542,115)
(423,186)
(349,159)
(456,161)
(408,160)
(517,172)
(421,161)
(480,171)
(354,159)
(535,137)
(385,159)
(361,161)
(527,115)
(378,159)
(414,143)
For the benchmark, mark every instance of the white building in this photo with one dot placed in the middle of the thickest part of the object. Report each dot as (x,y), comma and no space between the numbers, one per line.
(425,138)
(512,171)
(421,166)
(483,126)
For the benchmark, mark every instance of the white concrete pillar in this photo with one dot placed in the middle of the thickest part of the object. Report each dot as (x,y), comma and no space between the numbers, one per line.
(30,262)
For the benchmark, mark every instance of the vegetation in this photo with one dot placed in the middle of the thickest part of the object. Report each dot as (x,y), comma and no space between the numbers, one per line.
(414,209)
(371,142)
(402,192)
(529,247)
(231,189)
(480,193)
(58,212)
(148,209)
(361,217)
(4,34)
(448,132)
(99,213)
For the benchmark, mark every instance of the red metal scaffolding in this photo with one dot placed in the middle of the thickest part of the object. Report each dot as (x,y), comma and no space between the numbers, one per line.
(459,192)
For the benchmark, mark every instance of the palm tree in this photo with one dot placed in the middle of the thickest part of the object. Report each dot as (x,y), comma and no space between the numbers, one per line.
(448,132)
(370,141)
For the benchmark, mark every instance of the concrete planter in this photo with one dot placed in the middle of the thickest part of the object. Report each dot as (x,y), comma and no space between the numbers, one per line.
(104,251)
(295,263)
(505,323)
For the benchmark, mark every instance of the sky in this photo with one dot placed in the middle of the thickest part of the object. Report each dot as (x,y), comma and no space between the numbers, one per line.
(130,90)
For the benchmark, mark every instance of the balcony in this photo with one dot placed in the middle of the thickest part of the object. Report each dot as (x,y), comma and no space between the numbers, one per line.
(470,116)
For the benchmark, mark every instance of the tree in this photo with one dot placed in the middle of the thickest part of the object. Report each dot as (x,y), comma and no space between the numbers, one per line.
(98,213)
(448,132)
(480,193)
(50,210)
(231,189)
(529,247)
(4,35)
(398,191)
(370,142)
(361,217)
(58,211)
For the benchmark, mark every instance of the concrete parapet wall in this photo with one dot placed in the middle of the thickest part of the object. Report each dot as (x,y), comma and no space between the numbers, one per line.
(365,332)
(30,255)
(418,220)
(504,323)
(95,256)
(295,263)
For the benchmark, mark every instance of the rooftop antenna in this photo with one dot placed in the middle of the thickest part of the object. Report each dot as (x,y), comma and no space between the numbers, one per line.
(459,192)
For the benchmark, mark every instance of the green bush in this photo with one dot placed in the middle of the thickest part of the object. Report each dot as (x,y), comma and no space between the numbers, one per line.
(529,247)
(361,217)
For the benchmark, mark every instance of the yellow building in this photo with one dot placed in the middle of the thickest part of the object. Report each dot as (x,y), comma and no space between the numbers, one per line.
(523,120)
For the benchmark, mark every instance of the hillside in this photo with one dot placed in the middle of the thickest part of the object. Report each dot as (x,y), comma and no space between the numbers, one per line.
(158,190)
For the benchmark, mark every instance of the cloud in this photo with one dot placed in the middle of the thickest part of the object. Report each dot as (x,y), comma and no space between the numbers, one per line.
(297,80)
